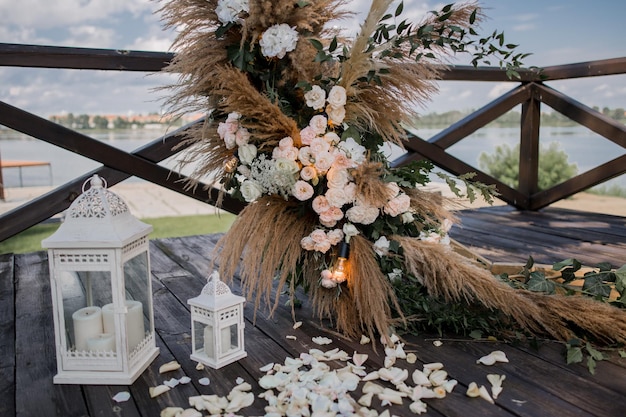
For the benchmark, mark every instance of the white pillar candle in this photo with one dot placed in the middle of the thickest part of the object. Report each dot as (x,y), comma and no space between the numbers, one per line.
(135,329)
(104,342)
(208,342)
(87,323)
(225,339)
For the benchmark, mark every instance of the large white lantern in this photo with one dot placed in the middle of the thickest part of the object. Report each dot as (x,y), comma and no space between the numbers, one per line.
(101,291)
(217,325)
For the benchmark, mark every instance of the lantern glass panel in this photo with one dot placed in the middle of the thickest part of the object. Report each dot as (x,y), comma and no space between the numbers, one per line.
(231,338)
(84,293)
(138,299)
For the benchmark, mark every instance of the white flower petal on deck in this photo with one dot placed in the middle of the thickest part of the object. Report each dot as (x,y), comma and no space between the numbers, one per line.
(492,358)
(297,324)
(321,340)
(168,367)
(158,390)
(121,396)
(204,381)
(171,411)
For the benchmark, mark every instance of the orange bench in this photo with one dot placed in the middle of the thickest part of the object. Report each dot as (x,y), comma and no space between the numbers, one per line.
(22,164)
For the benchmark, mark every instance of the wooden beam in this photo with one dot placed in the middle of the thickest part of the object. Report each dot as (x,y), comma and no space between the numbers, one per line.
(37,56)
(528,173)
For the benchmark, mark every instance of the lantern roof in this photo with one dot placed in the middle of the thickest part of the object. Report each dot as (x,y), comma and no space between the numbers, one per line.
(97,218)
(216,295)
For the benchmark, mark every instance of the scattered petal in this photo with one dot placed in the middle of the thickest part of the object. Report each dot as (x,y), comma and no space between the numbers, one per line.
(472,390)
(204,381)
(434,366)
(437,343)
(420,378)
(158,390)
(418,407)
(366,399)
(122,396)
(171,382)
(359,358)
(297,324)
(438,377)
(496,384)
(267,367)
(411,358)
(190,412)
(484,394)
(171,411)
(364,340)
(184,380)
(493,357)
(239,381)
(449,385)
(290,337)
(199,366)
(320,340)
(168,367)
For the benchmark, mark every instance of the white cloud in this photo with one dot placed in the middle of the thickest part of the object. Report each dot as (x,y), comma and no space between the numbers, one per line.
(45,14)
(499,89)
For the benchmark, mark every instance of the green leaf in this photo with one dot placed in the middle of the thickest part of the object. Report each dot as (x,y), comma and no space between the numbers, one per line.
(399,9)
(595,286)
(604,266)
(476,334)
(333,45)
(622,353)
(472,18)
(574,354)
(539,283)
(594,353)
(567,262)
(317,44)
(591,365)
(620,279)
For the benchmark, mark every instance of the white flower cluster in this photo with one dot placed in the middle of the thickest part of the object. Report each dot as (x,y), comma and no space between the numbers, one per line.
(277,40)
(228,10)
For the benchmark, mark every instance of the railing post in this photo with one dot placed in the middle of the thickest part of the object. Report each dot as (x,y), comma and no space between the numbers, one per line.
(529,146)
(1,181)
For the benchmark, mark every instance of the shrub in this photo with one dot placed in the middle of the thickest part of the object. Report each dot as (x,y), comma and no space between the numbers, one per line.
(503,164)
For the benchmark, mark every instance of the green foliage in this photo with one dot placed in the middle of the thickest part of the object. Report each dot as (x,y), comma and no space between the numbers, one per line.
(503,164)
(576,354)
(30,239)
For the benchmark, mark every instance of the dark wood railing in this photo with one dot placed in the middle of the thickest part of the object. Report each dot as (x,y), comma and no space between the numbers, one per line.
(529,91)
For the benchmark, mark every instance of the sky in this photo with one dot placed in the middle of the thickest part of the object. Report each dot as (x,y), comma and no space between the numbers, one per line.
(554,31)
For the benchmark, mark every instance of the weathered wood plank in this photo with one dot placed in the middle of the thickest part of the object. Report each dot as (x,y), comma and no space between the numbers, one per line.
(7,341)
(35,394)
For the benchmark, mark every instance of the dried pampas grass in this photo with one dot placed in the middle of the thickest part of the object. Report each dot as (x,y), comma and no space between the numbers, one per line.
(451,276)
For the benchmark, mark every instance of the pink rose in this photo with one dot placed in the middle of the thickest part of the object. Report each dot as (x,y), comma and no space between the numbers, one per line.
(322,246)
(320,204)
(307,135)
(324,161)
(302,190)
(286,142)
(336,197)
(307,243)
(398,205)
(337,177)
(308,173)
(242,136)
(335,236)
(305,156)
(319,146)
(318,235)
(318,123)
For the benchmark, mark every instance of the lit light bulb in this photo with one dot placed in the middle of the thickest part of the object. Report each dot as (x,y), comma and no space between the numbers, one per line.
(340,269)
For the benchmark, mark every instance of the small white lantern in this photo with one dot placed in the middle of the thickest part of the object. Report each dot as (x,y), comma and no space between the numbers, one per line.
(217,325)
(101,291)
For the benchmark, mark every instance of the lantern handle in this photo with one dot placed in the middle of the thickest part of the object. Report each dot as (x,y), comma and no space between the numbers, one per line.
(99,179)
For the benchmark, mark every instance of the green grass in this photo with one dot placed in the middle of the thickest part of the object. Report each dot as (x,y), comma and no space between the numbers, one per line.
(30,239)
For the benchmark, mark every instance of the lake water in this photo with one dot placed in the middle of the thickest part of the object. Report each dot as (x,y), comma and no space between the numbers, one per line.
(583,147)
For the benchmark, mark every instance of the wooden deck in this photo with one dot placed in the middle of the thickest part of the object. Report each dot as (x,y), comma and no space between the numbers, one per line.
(538,382)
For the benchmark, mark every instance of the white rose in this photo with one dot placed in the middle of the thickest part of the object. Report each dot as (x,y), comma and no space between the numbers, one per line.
(337,96)
(277,40)
(362,214)
(407,217)
(287,165)
(315,97)
(337,177)
(353,150)
(228,10)
(247,153)
(335,197)
(350,230)
(381,246)
(251,190)
(336,114)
